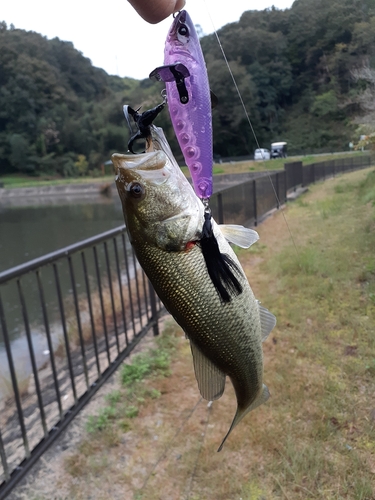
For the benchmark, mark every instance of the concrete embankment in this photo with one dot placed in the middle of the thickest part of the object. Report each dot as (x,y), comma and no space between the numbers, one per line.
(60,194)
(96,188)
(58,190)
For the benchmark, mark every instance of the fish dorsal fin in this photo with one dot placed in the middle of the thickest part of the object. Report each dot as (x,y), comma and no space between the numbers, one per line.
(267,321)
(239,235)
(211,380)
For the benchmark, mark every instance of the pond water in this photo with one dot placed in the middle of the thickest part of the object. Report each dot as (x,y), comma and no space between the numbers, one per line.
(30,228)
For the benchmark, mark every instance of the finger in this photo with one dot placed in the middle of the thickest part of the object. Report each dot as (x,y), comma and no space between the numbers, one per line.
(154,11)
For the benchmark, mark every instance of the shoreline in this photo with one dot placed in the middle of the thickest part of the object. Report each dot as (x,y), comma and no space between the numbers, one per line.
(105,187)
(60,190)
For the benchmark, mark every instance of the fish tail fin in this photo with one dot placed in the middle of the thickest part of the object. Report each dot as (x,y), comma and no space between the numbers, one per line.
(240,413)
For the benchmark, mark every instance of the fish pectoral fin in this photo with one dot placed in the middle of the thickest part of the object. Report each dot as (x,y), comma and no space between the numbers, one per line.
(241,412)
(241,236)
(267,321)
(211,380)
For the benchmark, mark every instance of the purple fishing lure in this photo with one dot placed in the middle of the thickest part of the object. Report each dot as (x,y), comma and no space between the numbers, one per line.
(189,101)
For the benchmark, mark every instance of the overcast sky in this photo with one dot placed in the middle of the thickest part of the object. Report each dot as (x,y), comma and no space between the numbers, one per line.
(112,35)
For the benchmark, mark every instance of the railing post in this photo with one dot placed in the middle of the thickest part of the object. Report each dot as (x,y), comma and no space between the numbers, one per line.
(277,191)
(32,356)
(220,208)
(49,341)
(13,376)
(154,312)
(4,459)
(255,202)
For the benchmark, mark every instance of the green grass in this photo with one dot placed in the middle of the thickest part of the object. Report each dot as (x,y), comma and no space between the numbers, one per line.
(321,375)
(330,282)
(315,438)
(105,428)
(143,365)
(125,403)
(20,180)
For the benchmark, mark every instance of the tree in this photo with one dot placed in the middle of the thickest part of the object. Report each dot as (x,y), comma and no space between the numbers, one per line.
(20,153)
(366,101)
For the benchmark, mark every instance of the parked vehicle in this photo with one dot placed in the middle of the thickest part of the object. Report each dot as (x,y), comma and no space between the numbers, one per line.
(278,150)
(262,154)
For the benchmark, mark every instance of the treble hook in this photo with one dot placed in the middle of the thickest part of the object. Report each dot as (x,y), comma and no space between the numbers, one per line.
(143,122)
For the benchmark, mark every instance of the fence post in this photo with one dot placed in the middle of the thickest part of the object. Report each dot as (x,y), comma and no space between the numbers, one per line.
(13,376)
(277,191)
(220,208)
(4,459)
(154,312)
(255,202)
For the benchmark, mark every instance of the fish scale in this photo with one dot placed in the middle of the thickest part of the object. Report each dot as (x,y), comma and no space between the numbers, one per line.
(219,330)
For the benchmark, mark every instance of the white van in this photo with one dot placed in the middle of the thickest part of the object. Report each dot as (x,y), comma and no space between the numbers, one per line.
(262,154)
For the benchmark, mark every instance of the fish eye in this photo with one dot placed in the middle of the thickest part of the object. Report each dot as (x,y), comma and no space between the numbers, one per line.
(136,190)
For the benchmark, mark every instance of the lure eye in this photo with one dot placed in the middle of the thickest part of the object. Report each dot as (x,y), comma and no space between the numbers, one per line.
(136,190)
(182,33)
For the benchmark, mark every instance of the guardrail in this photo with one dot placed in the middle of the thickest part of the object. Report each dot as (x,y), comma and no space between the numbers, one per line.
(70,318)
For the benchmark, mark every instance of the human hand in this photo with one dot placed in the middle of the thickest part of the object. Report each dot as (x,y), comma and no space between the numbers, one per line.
(154,11)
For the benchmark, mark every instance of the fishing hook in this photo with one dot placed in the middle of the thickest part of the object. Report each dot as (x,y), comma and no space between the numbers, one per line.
(143,122)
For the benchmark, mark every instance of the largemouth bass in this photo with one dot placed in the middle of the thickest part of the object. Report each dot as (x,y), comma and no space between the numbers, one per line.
(164,219)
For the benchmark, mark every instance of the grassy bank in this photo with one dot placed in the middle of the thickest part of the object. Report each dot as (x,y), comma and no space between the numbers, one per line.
(315,438)
(18,180)
(22,181)
(241,167)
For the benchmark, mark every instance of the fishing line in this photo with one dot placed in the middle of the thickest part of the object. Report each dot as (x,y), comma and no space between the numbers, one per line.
(249,121)
(209,406)
(164,454)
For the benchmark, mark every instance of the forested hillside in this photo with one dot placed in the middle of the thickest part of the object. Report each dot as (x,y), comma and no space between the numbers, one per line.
(294,68)
(297,71)
(58,113)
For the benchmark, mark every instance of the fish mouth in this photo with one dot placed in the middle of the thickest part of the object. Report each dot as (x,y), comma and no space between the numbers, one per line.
(148,166)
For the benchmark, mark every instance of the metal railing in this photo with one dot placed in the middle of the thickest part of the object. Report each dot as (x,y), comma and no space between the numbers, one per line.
(297,174)
(70,318)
